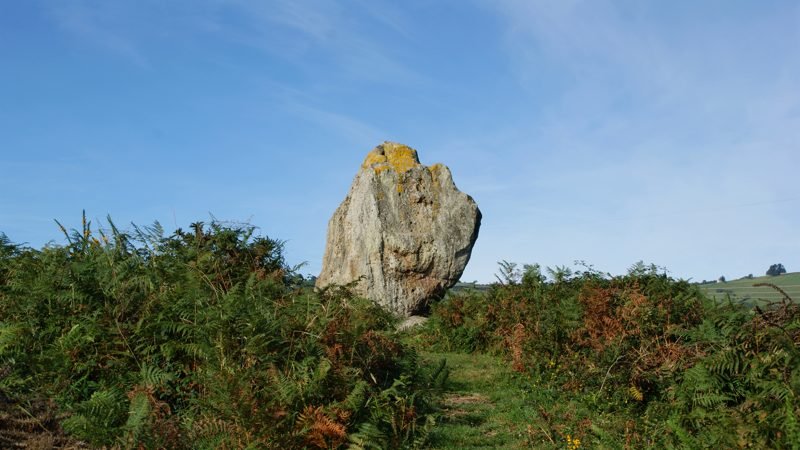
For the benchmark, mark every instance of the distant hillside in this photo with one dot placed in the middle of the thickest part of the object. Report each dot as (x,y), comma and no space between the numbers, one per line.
(461,286)
(741,290)
(744,291)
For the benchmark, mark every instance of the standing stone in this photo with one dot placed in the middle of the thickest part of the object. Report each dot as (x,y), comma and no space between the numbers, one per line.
(404,233)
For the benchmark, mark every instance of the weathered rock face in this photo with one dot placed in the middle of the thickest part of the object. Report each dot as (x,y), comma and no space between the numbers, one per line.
(404,233)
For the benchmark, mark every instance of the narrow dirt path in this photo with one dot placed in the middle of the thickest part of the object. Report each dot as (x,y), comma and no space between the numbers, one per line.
(483,407)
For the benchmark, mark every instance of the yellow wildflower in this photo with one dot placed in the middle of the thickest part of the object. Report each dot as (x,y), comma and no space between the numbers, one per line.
(573,443)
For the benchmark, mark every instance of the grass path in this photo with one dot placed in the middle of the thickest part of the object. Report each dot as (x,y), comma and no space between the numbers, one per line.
(483,408)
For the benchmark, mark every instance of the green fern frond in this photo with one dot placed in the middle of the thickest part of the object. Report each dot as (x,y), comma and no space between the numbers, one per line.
(440,375)
(152,376)
(138,413)
(357,397)
(368,437)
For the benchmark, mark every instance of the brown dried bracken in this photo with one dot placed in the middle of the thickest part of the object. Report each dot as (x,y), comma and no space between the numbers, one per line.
(320,430)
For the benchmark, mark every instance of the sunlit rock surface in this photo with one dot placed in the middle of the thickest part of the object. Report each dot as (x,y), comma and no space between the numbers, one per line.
(404,233)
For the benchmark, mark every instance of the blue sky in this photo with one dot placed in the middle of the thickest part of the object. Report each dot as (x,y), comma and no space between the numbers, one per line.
(609,132)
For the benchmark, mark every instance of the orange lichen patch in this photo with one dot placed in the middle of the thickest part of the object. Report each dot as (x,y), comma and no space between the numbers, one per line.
(390,155)
(402,158)
(374,157)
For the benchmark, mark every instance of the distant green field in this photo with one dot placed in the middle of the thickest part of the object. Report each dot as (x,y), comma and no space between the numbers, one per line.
(742,290)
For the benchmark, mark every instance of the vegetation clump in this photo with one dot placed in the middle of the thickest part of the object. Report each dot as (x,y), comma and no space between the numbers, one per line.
(640,360)
(201,339)
(205,338)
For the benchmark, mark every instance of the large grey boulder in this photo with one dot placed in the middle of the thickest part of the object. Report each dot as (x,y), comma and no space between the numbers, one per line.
(403,234)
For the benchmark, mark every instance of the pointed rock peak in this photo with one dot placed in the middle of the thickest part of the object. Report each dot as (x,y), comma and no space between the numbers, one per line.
(391,155)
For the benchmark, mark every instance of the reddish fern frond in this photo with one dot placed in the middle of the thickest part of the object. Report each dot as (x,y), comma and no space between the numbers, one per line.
(320,430)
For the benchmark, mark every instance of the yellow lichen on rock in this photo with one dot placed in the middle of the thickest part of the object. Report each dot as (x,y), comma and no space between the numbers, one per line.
(401,157)
(391,155)
(373,157)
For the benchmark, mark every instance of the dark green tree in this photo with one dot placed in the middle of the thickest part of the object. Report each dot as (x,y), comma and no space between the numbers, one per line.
(775,270)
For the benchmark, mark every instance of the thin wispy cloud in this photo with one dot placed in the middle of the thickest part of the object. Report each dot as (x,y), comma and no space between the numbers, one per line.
(326,29)
(658,64)
(389,14)
(351,129)
(316,19)
(97,23)
(307,34)
(631,80)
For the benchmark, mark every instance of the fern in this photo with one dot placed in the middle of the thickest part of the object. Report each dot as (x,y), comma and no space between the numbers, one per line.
(357,397)
(98,419)
(439,376)
(198,339)
(790,423)
(138,413)
(369,436)
(153,377)
(9,334)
